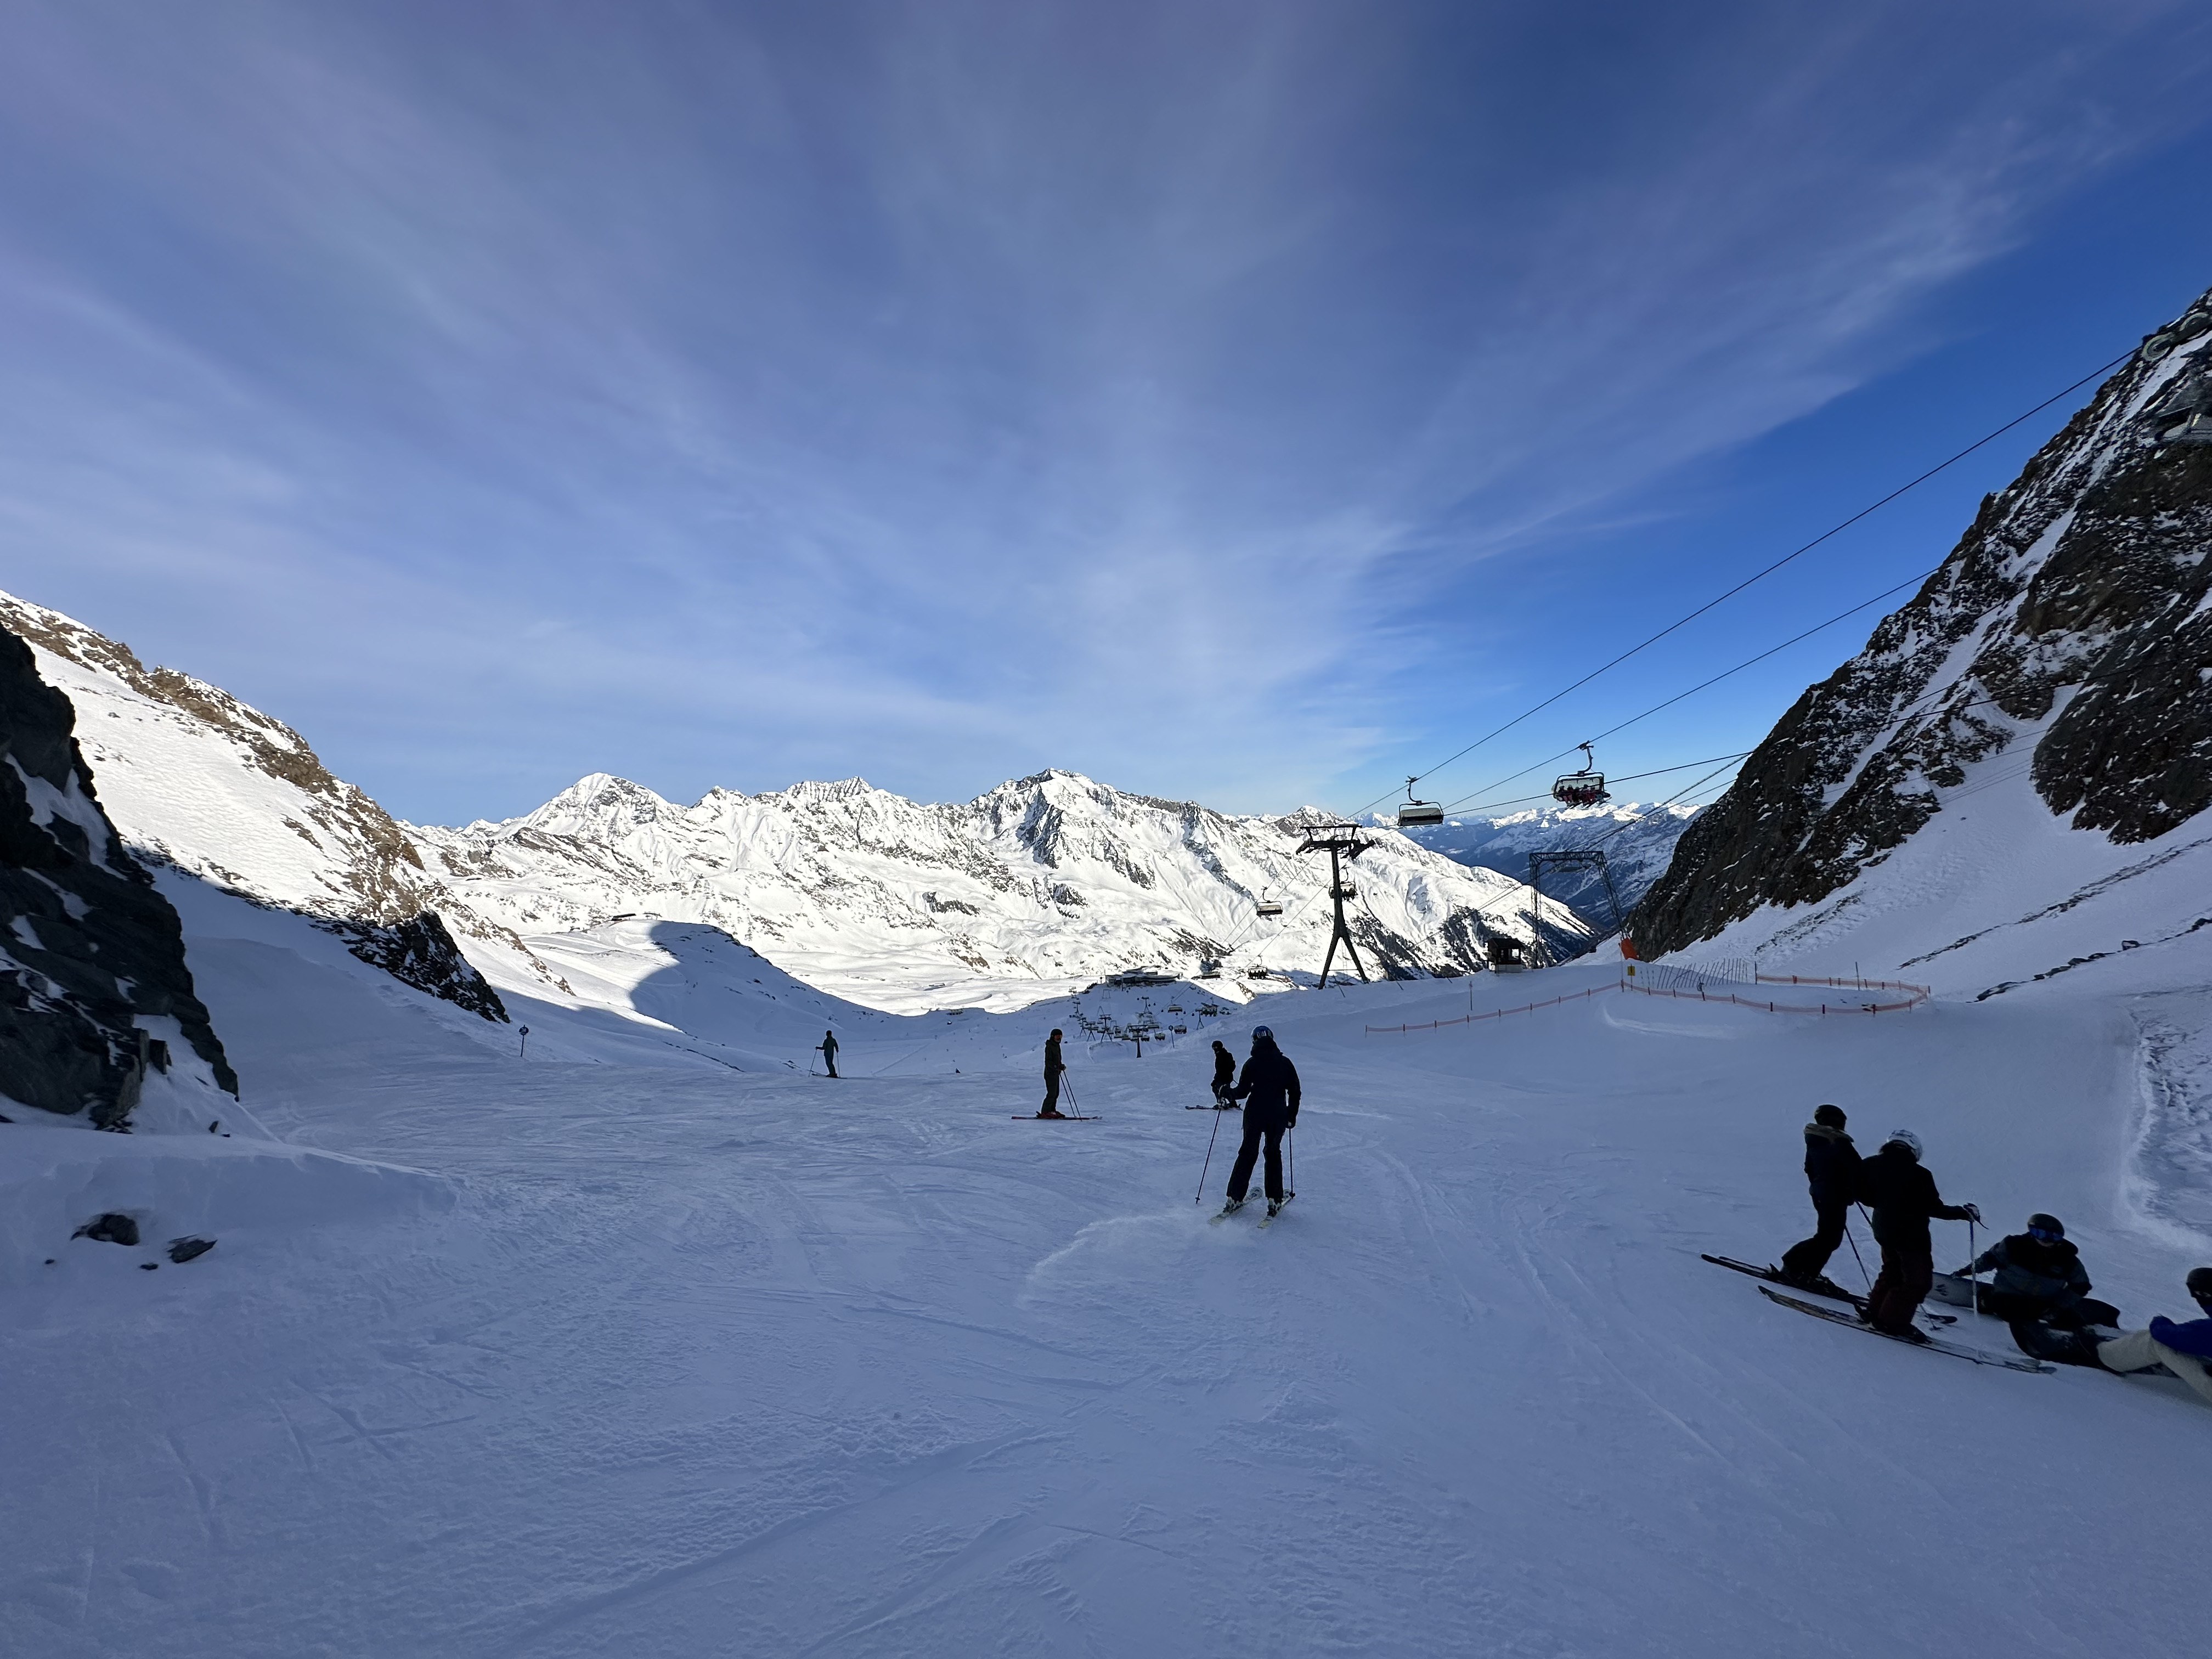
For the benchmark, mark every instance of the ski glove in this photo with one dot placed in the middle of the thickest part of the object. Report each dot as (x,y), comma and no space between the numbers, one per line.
(1973,1213)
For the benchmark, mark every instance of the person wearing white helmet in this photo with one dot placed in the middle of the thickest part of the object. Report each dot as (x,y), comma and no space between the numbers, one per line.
(1903,1197)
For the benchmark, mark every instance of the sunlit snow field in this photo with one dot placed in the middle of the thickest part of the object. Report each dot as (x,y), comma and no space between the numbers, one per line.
(617,1350)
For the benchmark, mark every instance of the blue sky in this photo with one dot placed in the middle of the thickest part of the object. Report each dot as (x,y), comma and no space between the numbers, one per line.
(1250,402)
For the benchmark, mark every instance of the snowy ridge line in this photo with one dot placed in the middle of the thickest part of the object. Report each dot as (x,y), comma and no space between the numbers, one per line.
(1768,1006)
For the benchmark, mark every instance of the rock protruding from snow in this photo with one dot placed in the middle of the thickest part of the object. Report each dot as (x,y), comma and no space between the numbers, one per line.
(2073,621)
(197,779)
(92,958)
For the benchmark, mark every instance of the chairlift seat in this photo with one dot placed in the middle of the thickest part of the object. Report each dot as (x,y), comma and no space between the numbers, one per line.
(1581,789)
(1268,908)
(1419,812)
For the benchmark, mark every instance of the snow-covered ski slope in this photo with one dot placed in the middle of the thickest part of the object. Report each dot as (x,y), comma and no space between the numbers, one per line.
(617,1350)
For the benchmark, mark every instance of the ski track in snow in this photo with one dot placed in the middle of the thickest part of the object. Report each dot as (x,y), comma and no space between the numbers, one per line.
(618,1355)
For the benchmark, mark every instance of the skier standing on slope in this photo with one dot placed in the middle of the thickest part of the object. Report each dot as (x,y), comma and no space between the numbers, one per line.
(2040,1280)
(1052,1068)
(829,1047)
(1269,1089)
(1904,1199)
(1225,1074)
(1832,1171)
(2184,1349)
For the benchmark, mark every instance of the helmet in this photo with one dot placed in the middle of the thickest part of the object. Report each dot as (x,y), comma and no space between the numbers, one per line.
(1259,1031)
(1905,1139)
(2048,1223)
(2200,1283)
(1830,1116)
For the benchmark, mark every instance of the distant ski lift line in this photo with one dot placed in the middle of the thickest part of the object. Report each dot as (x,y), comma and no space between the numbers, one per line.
(1761,575)
(1910,582)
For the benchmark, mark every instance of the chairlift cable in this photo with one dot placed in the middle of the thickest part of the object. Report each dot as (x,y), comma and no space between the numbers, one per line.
(1748,662)
(1761,575)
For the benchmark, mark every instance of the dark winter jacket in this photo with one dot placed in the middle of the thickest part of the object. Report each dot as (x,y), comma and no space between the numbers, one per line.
(1269,1087)
(2192,1336)
(1903,1198)
(2049,1273)
(1052,1068)
(1225,1067)
(828,1045)
(1831,1165)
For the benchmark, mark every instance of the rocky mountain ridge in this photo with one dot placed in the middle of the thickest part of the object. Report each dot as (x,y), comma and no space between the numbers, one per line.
(2057,670)
(1637,840)
(1045,883)
(201,782)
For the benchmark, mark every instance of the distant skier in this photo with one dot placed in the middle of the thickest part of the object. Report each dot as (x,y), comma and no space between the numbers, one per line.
(1269,1089)
(1832,1171)
(1225,1074)
(2184,1349)
(1052,1068)
(1903,1198)
(2040,1280)
(829,1045)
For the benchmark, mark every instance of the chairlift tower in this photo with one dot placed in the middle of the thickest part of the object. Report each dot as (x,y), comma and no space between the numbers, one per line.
(1342,842)
(1568,859)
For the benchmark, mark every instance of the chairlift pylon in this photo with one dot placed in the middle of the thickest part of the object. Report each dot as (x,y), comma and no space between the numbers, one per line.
(1582,788)
(1417,812)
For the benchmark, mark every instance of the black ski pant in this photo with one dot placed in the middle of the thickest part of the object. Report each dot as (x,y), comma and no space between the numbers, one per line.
(1257,1129)
(830,1058)
(2017,1309)
(1908,1274)
(1808,1258)
(1051,1095)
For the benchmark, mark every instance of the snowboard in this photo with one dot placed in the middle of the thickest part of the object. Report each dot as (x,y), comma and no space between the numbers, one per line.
(1773,1276)
(1953,1349)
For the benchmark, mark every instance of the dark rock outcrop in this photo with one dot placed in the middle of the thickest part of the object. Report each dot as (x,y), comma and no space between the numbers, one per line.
(89,945)
(2082,588)
(420,952)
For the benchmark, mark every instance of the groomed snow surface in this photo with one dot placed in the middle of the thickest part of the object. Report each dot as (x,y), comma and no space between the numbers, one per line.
(617,1349)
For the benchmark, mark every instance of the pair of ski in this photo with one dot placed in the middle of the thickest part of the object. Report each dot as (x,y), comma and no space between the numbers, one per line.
(1056,1117)
(1237,1204)
(1957,1351)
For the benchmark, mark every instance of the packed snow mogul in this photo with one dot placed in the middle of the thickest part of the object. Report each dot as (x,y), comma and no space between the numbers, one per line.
(1831,1172)
(1224,1074)
(1904,1200)
(1269,1089)
(829,1047)
(2040,1280)
(2184,1349)
(1052,1068)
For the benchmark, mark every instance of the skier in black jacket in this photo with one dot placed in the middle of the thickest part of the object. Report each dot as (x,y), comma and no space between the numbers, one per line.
(1052,1068)
(2040,1280)
(1903,1198)
(1225,1074)
(1269,1089)
(1832,1171)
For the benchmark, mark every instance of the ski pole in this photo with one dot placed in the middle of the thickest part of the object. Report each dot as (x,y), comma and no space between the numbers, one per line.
(1208,1165)
(1290,1180)
(1068,1084)
(1973,1255)
(1856,1256)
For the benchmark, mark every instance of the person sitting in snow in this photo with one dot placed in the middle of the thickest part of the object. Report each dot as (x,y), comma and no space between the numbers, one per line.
(2184,1349)
(1225,1074)
(2040,1280)
(1904,1199)
(1832,1171)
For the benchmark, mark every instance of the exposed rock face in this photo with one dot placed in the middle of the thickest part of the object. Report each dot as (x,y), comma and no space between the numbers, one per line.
(2071,622)
(199,780)
(1638,842)
(90,947)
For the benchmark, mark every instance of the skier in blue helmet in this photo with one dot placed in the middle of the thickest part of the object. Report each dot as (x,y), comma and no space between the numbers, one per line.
(1269,1089)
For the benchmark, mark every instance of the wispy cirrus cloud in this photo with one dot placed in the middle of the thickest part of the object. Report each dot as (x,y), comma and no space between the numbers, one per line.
(732,394)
